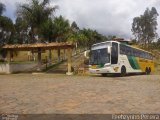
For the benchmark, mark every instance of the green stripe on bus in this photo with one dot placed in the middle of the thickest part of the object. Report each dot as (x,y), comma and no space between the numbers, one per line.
(101,65)
(133,62)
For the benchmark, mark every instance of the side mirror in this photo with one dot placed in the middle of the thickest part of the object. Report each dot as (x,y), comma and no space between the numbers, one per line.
(109,49)
(86,54)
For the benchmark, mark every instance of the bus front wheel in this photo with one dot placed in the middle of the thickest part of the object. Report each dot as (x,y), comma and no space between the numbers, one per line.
(123,71)
(104,74)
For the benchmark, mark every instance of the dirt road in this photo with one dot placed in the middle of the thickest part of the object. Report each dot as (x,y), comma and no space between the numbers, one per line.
(48,93)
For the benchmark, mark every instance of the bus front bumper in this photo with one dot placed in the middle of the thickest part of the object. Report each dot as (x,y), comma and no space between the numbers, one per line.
(101,70)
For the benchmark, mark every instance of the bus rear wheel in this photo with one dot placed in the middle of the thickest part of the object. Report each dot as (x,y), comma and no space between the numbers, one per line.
(147,71)
(123,71)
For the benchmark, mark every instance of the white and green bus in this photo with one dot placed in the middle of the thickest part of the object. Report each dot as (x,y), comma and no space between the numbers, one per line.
(115,57)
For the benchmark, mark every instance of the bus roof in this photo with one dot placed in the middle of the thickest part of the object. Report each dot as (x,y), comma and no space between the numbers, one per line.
(137,48)
(104,42)
(123,44)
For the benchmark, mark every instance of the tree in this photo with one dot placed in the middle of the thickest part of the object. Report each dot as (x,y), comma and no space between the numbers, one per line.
(144,27)
(82,40)
(91,37)
(60,31)
(7,30)
(35,14)
(158,44)
(74,27)
(47,29)
(2,8)
(22,31)
(6,34)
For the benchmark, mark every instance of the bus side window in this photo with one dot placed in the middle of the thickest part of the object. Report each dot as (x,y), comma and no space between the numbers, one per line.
(133,52)
(125,49)
(140,54)
(146,56)
(122,49)
(150,57)
(136,53)
(128,50)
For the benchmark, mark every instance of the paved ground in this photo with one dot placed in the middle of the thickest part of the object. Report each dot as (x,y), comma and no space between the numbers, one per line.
(48,93)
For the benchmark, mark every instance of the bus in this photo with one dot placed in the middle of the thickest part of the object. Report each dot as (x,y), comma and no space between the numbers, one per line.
(118,58)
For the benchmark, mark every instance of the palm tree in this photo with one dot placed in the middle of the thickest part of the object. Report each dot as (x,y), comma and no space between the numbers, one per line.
(35,14)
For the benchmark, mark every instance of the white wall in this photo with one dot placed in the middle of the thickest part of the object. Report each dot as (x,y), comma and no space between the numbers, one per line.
(13,67)
(4,68)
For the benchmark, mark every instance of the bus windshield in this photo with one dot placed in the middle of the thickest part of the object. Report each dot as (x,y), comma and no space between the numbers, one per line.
(99,57)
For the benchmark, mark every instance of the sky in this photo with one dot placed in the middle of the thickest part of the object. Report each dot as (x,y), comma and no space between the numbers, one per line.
(108,17)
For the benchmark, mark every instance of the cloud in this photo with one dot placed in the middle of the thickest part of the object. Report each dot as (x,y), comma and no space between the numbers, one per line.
(11,7)
(106,16)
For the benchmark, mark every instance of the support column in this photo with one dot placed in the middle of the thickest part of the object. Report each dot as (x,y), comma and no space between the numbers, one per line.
(39,59)
(69,55)
(9,63)
(64,52)
(59,55)
(50,56)
(10,54)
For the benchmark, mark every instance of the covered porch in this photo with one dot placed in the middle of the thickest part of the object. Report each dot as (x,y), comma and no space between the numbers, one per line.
(40,47)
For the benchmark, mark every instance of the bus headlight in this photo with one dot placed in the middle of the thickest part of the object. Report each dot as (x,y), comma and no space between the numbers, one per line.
(107,65)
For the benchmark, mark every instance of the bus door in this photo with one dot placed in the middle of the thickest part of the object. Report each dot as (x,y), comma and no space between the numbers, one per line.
(114,53)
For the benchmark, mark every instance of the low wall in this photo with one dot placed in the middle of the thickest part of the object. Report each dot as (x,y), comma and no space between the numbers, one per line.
(4,68)
(16,67)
